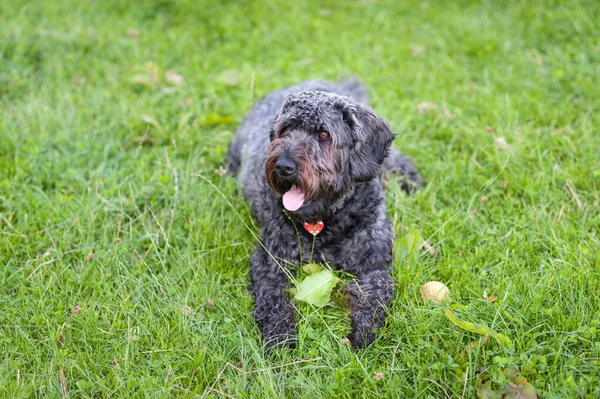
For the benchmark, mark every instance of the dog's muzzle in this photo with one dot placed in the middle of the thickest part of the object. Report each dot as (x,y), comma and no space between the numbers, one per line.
(285,167)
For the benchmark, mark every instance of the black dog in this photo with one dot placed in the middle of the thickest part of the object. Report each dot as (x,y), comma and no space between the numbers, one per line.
(308,159)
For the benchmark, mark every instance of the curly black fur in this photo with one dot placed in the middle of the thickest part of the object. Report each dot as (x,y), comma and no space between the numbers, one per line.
(339,176)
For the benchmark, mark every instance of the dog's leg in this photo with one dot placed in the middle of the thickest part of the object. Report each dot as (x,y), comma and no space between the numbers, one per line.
(400,166)
(274,314)
(369,297)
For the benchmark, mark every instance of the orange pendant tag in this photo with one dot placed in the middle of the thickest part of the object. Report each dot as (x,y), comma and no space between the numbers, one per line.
(314,229)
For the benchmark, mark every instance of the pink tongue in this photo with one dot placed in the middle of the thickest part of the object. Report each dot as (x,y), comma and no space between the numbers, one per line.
(293,199)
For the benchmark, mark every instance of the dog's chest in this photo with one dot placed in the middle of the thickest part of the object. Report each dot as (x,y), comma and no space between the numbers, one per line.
(347,245)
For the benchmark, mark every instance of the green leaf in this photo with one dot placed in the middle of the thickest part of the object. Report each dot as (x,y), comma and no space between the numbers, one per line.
(311,268)
(504,340)
(143,80)
(409,244)
(149,77)
(150,120)
(472,327)
(316,288)
(230,77)
(477,328)
(83,384)
(216,119)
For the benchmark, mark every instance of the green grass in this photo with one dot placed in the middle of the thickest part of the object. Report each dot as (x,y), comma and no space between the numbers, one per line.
(81,82)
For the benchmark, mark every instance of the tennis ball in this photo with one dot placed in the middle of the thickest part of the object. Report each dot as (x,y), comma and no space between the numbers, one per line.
(435,291)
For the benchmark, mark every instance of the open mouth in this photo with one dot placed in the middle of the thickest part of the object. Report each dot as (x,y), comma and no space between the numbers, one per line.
(293,199)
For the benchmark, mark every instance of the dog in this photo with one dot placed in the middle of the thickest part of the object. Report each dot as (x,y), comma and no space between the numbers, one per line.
(309,159)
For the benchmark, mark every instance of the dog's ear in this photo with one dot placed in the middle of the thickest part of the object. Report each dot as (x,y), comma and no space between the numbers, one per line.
(278,123)
(372,141)
(272,131)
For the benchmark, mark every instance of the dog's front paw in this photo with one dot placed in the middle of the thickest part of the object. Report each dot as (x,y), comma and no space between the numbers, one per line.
(279,332)
(361,338)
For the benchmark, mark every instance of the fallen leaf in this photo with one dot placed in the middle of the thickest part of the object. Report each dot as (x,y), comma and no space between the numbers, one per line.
(447,113)
(149,78)
(185,309)
(42,256)
(426,107)
(477,328)
(484,340)
(151,121)
(316,288)
(416,50)
(502,143)
(216,119)
(304,62)
(472,327)
(142,80)
(230,77)
(132,32)
(174,78)
(430,250)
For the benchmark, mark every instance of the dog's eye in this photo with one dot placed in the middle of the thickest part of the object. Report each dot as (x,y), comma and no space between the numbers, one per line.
(324,135)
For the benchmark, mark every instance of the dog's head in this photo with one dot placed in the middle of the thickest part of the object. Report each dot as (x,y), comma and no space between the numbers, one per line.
(322,146)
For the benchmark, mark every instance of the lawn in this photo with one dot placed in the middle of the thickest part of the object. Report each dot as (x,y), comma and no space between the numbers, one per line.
(124,248)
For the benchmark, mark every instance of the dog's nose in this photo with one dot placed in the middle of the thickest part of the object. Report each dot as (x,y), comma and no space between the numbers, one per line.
(285,166)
